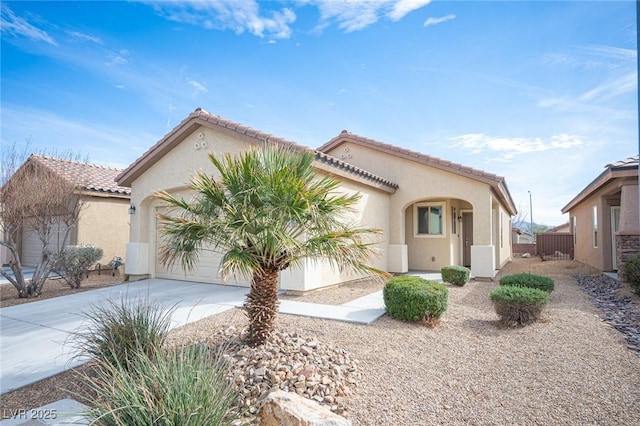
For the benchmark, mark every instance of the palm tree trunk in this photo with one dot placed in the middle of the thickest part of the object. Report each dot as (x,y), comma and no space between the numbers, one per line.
(261,305)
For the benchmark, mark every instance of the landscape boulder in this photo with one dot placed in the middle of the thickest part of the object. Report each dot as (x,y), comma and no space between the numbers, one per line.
(288,408)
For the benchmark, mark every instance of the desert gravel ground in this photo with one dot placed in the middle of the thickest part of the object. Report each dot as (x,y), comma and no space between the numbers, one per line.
(569,369)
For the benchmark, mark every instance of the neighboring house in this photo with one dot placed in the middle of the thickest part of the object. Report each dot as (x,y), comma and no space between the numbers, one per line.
(432,213)
(604,220)
(560,228)
(520,236)
(104,218)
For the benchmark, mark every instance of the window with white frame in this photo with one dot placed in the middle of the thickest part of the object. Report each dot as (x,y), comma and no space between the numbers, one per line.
(429,220)
(595,226)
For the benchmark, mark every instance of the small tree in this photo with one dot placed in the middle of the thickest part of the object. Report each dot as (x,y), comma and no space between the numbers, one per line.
(34,198)
(268,210)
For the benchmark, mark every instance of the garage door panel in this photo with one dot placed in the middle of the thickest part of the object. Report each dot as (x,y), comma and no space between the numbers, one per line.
(32,246)
(206,269)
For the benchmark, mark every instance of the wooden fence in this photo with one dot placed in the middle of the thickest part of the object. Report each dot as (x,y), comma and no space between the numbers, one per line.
(554,245)
(518,249)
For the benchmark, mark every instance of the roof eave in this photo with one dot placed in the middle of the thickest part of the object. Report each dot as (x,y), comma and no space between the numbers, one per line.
(603,179)
(498,183)
(200,118)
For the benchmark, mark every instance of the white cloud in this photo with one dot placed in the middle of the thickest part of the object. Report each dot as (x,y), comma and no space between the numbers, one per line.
(117,58)
(598,99)
(404,7)
(611,52)
(593,57)
(85,37)
(17,26)
(350,15)
(435,21)
(478,143)
(238,16)
(199,87)
(354,15)
(246,15)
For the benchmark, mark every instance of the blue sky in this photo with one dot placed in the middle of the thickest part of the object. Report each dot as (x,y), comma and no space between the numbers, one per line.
(542,93)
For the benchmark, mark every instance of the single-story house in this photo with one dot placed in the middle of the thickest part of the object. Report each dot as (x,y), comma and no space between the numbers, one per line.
(604,220)
(560,228)
(432,212)
(520,236)
(103,220)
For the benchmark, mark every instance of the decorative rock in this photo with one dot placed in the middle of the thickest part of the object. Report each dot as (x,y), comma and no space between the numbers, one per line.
(318,372)
(283,408)
(618,310)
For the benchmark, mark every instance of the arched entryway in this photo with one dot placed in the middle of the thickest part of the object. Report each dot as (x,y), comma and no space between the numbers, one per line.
(438,233)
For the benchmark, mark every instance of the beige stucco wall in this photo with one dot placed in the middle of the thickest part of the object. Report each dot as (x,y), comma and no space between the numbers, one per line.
(104,223)
(584,250)
(418,182)
(434,252)
(172,172)
(503,237)
(370,212)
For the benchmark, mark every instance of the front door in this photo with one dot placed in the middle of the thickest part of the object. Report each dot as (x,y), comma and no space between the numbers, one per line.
(467,238)
(615,226)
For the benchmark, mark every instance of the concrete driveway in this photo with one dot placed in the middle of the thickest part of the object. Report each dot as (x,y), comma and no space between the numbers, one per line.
(34,337)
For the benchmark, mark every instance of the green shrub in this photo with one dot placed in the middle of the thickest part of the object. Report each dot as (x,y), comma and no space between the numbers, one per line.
(528,280)
(184,386)
(518,305)
(632,273)
(74,261)
(457,275)
(415,299)
(119,332)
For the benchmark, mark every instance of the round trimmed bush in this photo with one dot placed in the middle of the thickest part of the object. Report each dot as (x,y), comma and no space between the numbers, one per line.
(518,305)
(415,299)
(528,280)
(456,275)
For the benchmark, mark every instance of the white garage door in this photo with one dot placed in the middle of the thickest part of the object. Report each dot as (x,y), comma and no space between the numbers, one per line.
(205,271)
(32,247)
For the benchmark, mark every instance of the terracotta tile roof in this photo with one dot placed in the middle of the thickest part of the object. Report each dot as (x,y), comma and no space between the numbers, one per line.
(346,136)
(327,159)
(629,162)
(200,117)
(611,171)
(498,182)
(88,177)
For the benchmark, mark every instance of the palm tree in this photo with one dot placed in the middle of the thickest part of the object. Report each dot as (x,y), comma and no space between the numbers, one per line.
(268,210)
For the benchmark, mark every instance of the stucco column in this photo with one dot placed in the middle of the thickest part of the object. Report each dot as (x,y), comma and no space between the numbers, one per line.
(483,250)
(628,235)
(483,223)
(137,256)
(629,220)
(397,249)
